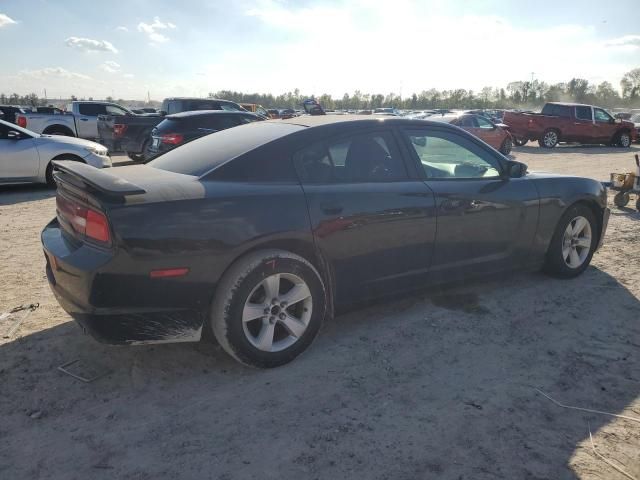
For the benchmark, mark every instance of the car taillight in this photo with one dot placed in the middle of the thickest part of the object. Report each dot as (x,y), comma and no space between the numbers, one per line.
(22,121)
(172,138)
(119,129)
(84,221)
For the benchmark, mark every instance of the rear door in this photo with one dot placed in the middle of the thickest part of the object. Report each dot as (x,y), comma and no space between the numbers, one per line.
(485,221)
(19,159)
(372,220)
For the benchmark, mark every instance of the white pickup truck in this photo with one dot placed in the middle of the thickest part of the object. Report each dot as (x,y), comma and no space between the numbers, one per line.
(79,120)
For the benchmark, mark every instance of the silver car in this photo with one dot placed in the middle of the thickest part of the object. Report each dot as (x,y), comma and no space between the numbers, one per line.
(25,156)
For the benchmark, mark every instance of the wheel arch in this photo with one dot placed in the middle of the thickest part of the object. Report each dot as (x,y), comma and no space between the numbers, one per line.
(298,246)
(58,128)
(596,209)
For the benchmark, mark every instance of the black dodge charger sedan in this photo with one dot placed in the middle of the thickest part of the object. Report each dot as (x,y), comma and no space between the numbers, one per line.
(257,233)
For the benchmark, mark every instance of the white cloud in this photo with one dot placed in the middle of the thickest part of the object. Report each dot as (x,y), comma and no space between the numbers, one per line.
(90,45)
(632,41)
(122,28)
(128,75)
(53,73)
(6,20)
(151,30)
(110,66)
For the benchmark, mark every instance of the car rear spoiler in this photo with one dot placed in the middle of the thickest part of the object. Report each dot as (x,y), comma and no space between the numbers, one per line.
(80,174)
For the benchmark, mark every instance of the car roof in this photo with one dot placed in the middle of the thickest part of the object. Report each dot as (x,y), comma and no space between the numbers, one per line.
(199,98)
(198,113)
(353,120)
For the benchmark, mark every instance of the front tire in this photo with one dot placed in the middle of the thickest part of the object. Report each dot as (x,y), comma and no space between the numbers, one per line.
(621,199)
(519,142)
(573,243)
(623,140)
(549,139)
(268,308)
(506,146)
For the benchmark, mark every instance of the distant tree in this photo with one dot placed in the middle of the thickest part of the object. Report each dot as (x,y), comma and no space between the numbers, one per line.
(630,84)
(578,88)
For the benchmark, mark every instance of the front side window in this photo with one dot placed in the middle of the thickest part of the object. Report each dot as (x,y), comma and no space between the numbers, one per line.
(583,113)
(601,116)
(444,155)
(362,158)
(484,123)
(117,111)
(468,121)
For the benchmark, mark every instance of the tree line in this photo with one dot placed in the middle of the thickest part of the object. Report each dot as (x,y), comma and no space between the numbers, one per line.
(519,94)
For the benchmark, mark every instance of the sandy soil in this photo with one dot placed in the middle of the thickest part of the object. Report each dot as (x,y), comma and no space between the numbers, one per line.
(437,385)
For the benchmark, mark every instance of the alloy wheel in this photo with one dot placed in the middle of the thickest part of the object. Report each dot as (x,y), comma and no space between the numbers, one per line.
(277,312)
(576,242)
(625,140)
(550,138)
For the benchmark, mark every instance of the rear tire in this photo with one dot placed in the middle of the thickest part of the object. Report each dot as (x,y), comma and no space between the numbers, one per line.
(506,146)
(139,157)
(62,132)
(250,316)
(549,139)
(573,243)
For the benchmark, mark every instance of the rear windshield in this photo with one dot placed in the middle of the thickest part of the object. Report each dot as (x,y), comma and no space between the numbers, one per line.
(202,155)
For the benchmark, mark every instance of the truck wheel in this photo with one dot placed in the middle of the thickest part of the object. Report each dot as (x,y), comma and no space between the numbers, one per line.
(519,142)
(623,140)
(549,139)
(139,157)
(506,146)
(638,203)
(621,199)
(268,308)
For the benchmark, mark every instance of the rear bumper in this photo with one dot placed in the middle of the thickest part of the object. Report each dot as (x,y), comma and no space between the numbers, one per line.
(116,308)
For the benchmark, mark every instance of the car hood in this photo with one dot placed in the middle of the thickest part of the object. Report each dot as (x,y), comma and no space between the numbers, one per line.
(60,139)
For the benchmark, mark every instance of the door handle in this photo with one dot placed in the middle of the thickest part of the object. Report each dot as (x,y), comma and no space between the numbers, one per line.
(331,209)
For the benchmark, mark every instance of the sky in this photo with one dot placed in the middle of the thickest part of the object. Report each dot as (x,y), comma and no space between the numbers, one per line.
(131,48)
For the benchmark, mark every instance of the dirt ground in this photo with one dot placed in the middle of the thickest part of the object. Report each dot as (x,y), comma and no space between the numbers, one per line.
(440,384)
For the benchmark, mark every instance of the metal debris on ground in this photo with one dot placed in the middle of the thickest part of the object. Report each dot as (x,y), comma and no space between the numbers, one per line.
(15,321)
(84,371)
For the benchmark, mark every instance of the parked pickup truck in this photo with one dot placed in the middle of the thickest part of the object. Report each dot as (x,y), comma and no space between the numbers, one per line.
(132,134)
(79,120)
(570,122)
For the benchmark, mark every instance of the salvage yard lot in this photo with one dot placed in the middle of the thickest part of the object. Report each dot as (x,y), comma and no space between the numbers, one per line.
(440,384)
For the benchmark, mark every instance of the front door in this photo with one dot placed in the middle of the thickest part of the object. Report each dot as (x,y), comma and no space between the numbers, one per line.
(374,223)
(583,127)
(605,126)
(486,221)
(19,159)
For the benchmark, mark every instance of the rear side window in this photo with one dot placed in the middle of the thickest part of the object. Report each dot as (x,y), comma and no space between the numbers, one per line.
(92,109)
(557,110)
(206,153)
(361,158)
(267,164)
(583,113)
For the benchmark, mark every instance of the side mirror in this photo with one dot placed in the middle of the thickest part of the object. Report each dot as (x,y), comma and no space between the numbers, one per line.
(13,135)
(617,120)
(162,113)
(515,169)
(420,141)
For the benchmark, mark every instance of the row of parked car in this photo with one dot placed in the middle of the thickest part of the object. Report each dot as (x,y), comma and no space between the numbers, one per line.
(107,127)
